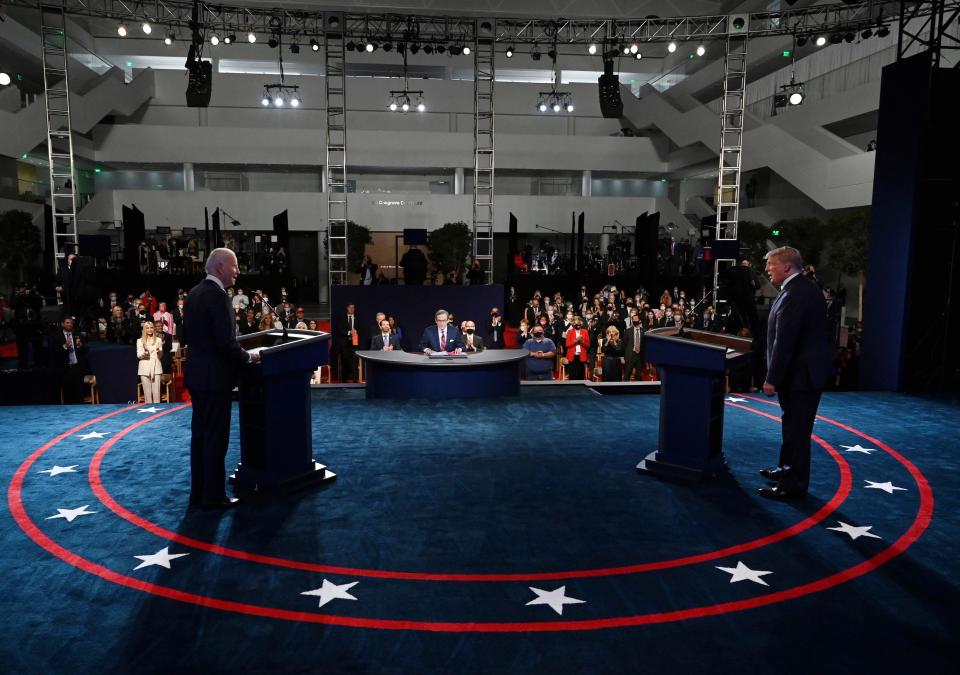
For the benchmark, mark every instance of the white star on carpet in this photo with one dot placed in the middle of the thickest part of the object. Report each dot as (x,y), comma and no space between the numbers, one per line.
(735,399)
(72,514)
(887,487)
(57,470)
(858,448)
(855,532)
(330,591)
(92,434)
(161,558)
(556,598)
(743,573)
(148,410)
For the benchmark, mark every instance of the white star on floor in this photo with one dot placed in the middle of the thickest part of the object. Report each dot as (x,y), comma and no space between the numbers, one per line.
(556,598)
(887,487)
(330,591)
(57,470)
(148,410)
(855,532)
(858,448)
(72,514)
(743,573)
(92,434)
(734,399)
(161,557)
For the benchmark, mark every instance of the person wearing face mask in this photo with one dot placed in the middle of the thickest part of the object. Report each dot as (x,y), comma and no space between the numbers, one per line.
(471,341)
(633,348)
(544,324)
(612,356)
(495,329)
(178,318)
(542,350)
(577,340)
(523,332)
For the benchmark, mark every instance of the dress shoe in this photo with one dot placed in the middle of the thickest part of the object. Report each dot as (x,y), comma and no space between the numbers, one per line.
(224,503)
(775,473)
(781,493)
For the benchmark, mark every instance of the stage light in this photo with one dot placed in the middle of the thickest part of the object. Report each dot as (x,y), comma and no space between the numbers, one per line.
(421,107)
(466,51)
(405,107)
(456,50)
(626,50)
(146,28)
(295,102)
(701,50)
(314,45)
(370,47)
(440,49)
(639,56)
(278,101)
(850,37)
(428,49)
(836,38)
(230,39)
(542,107)
(168,40)
(556,107)
(592,49)
(821,40)
(294,48)
(883,31)
(333,21)
(251,37)
(535,54)
(214,39)
(796,98)
(866,33)
(634,48)
(388,46)
(122,30)
(393,106)
(569,107)
(415,47)
(265,100)
(273,43)
(672,47)
(351,46)
(801,40)
(510,52)
(4,79)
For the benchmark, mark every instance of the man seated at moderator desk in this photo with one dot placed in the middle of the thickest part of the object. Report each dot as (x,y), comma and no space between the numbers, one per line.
(441,338)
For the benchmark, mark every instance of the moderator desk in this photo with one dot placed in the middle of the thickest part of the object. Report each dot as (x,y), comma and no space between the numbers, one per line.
(403,375)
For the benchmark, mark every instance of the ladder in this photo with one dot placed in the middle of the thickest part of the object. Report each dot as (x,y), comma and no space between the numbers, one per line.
(484,54)
(731,143)
(335,82)
(56,91)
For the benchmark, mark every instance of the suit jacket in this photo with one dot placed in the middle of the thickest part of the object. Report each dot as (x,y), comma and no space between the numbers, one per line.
(153,364)
(570,341)
(376,342)
(214,356)
(431,339)
(628,342)
(58,354)
(798,348)
(478,345)
(495,333)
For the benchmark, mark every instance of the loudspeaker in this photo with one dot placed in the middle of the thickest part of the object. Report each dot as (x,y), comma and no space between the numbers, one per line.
(611,105)
(281,228)
(200,84)
(134,232)
(580,237)
(511,244)
(217,238)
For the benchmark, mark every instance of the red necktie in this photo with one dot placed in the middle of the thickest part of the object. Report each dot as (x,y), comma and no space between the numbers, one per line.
(443,340)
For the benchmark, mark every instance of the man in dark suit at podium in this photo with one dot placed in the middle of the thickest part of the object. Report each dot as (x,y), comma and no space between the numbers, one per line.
(442,337)
(214,358)
(798,367)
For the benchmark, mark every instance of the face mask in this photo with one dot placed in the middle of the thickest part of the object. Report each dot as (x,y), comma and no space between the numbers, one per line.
(538,335)
(494,314)
(470,331)
(589,316)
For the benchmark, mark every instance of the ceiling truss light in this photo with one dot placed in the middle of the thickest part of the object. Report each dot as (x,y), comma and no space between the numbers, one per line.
(405,100)
(634,48)
(883,31)
(639,56)
(466,50)
(214,39)
(4,79)
(279,95)
(510,52)
(146,28)
(701,50)
(821,40)
(556,101)
(122,30)
(251,37)
(168,40)
(230,39)
(314,45)
(791,95)
(592,49)
(672,47)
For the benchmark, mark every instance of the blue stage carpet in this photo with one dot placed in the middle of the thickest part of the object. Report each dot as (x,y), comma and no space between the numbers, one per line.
(484,537)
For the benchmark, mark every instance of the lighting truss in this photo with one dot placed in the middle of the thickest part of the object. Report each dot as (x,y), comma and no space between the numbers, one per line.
(555,101)
(280,95)
(407,100)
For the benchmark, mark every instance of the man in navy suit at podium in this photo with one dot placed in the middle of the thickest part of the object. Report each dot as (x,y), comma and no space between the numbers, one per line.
(214,358)
(798,367)
(442,337)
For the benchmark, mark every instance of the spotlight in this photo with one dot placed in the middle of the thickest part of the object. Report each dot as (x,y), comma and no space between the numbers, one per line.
(592,49)
(634,48)
(428,49)
(510,52)
(273,43)
(552,54)
(836,38)
(265,100)
(466,51)
(542,107)
(441,49)
(883,31)
(314,45)
(278,101)
(866,33)
(569,107)
(350,46)
(405,107)
(821,40)
(393,106)
(388,46)
(251,37)
(639,56)
(849,37)
(456,50)
(4,79)
(556,107)
(672,47)
(333,21)
(796,98)
(421,107)
(626,50)
(168,40)
(415,47)
(230,39)
(801,40)
(295,102)
(214,39)
(371,46)
(146,28)
(701,50)
(122,30)
(294,48)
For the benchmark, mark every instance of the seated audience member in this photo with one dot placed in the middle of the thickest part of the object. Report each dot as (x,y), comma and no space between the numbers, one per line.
(149,367)
(298,317)
(577,341)
(443,337)
(612,356)
(65,356)
(384,340)
(166,353)
(266,323)
(312,324)
(495,329)
(301,325)
(395,329)
(539,362)
(249,324)
(471,341)
(118,327)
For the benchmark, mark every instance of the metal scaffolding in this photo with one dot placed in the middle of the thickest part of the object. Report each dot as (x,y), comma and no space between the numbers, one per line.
(484,55)
(335,168)
(56,92)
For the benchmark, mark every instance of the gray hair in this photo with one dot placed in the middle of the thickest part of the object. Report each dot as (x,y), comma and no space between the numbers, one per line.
(787,254)
(439,312)
(217,256)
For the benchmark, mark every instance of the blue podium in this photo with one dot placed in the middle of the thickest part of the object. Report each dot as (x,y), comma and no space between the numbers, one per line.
(276,434)
(692,370)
